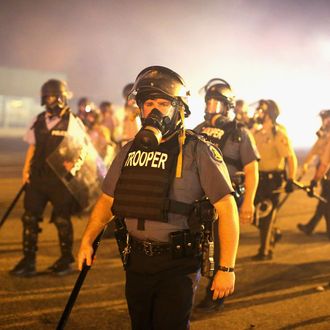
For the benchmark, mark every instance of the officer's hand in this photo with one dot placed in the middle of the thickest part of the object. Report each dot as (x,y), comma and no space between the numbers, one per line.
(85,255)
(312,185)
(289,186)
(223,284)
(246,212)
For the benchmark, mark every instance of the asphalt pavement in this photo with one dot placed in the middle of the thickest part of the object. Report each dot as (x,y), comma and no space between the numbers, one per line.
(289,292)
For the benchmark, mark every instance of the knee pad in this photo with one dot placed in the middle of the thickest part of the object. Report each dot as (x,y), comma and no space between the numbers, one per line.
(59,218)
(31,221)
(61,223)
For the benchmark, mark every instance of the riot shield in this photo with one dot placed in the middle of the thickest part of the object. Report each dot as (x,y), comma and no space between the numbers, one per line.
(76,162)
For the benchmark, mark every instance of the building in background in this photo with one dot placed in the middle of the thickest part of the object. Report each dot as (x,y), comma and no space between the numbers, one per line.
(20,98)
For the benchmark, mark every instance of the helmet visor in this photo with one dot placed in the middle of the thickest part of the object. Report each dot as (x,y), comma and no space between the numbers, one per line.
(215,106)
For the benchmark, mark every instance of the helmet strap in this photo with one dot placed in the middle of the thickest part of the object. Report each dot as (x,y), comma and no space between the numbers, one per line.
(182,139)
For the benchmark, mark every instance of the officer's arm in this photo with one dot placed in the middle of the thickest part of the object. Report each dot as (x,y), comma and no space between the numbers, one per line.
(292,166)
(223,284)
(27,162)
(320,172)
(100,216)
(251,184)
(323,167)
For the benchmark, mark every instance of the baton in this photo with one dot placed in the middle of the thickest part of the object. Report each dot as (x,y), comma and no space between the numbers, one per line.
(12,205)
(308,189)
(280,204)
(79,282)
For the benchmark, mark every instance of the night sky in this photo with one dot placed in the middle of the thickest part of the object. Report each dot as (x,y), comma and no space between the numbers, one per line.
(264,49)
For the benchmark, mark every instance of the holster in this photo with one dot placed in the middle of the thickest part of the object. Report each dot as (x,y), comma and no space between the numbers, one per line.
(201,220)
(123,240)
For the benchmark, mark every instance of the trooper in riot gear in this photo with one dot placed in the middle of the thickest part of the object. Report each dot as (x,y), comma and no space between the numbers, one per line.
(320,151)
(239,153)
(42,184)
(278,164)
(152,187)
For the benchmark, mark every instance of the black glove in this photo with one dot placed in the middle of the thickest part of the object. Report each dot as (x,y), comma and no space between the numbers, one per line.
(311,187)
(289,186)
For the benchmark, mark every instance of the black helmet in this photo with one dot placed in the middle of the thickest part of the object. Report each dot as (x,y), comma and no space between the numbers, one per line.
(83,102)
(159,81)
(324,114)
(93,116)
(54,87)
(127,90)
(270,107)
(273,110)
(219,89)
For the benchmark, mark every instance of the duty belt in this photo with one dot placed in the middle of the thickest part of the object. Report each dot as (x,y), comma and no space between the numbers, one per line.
(272,175)
(150,248)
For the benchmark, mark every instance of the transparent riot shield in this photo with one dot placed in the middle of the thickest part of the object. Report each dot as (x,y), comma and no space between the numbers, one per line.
(76,162)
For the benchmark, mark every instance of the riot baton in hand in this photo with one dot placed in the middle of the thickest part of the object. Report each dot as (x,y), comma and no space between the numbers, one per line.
(79,282)
(308,190)
(280,204)
(12,205)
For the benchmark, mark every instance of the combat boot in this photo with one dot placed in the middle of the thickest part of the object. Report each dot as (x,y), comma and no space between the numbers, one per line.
(305,229)
(62,266)
(262,256)
(26,267)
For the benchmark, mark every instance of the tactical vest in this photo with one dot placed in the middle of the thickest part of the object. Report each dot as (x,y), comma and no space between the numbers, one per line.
(47,141)
(219,137)
(143,187)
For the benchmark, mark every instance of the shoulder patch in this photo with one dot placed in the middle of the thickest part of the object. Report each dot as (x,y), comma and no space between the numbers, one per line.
(215,152)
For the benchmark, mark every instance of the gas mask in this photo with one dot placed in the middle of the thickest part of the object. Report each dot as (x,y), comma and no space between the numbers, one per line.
(217,120)
(216,113)
(154,128)
(54,108)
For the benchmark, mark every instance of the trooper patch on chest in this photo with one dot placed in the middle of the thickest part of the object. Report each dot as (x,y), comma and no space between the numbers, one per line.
(155,159)
(215,153)
(213,132)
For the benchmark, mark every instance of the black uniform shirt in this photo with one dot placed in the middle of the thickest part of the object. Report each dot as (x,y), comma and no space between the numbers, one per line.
(204,173)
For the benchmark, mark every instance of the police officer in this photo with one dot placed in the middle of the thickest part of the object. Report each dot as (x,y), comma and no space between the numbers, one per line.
(84,105)
(100,135)
(320,150)
(153,183)
(241,114)
(132,121)
(278,163)
(239,152)
(42,184)
(110,120)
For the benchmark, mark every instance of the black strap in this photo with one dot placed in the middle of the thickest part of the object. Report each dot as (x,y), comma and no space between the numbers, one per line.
(234,162)
(179,207)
